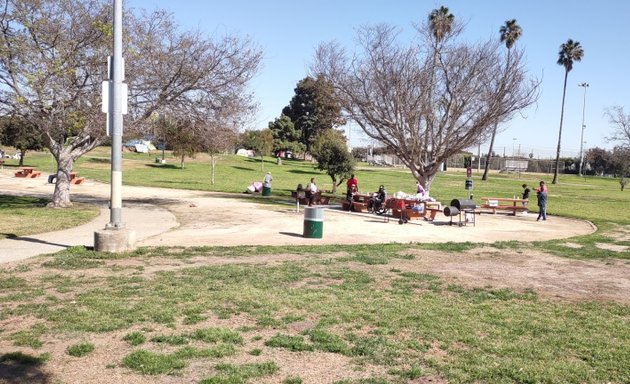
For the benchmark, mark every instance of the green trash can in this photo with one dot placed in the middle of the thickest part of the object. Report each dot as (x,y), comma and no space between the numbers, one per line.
(313,222)
(266,191)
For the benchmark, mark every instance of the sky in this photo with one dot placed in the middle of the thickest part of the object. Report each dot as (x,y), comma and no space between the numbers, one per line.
(289,31)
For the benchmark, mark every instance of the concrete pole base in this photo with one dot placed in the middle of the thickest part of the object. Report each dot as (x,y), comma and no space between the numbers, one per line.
(114,240)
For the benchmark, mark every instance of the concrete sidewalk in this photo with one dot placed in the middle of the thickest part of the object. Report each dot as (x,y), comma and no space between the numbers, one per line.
(145,219)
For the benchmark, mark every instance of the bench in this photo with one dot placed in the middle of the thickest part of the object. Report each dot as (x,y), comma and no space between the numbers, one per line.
(302,199)
(76,180)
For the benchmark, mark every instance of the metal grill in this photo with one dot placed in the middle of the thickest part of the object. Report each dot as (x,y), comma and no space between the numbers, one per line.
(459,207)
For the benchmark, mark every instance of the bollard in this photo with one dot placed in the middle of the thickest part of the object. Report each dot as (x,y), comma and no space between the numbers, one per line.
(313,222)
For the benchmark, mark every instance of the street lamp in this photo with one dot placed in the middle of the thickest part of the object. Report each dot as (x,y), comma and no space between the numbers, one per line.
(584,85)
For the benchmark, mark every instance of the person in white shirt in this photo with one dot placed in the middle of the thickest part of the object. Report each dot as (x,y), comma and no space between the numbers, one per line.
(267,180)
(311,188)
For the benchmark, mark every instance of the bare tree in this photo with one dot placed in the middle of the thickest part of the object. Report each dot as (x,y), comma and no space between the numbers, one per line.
(427,101)
(53,60)
(621,124)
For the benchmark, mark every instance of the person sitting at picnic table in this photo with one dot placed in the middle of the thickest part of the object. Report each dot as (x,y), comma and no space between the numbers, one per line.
(311,191)
(377,200)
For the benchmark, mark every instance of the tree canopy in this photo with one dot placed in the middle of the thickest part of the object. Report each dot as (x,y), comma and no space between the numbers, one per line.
(426,101)
(313,109)
(53,56)
(21,135)
(332,155)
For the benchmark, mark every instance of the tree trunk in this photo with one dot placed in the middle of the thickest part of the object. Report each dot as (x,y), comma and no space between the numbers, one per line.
(262,163)
(22,152)
(334,185)
(489,156)
(181,162)
(61,195)
(564,92)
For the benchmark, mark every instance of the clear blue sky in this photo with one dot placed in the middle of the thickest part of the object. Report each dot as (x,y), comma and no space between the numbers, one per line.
(288,31)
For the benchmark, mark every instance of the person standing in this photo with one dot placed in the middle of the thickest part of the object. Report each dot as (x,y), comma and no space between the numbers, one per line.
(352,183)
(267,180)
(311,189)
(526,192)
(541,194)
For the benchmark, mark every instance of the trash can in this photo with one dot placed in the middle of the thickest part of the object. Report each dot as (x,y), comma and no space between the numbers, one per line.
(313,222)
(266,191)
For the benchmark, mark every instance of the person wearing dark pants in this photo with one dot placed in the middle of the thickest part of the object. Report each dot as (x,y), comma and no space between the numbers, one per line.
(541,194)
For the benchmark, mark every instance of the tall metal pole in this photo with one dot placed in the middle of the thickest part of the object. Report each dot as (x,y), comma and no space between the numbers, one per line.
(585,85)
(115,119)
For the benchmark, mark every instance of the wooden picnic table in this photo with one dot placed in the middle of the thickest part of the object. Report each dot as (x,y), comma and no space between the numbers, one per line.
(428,212)
(27,172)
(511,205)
(360,201)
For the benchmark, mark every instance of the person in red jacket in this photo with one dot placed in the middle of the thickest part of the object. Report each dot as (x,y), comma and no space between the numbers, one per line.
(352,183)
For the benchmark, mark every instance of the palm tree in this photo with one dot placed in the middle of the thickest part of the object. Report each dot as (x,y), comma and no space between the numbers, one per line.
(510,32)
(440,22)
(569,52)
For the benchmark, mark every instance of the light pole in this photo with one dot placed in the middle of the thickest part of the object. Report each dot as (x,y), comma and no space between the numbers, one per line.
(115,237)
(585,85)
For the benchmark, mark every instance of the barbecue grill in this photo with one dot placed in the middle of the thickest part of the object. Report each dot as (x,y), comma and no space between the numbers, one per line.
(459,207)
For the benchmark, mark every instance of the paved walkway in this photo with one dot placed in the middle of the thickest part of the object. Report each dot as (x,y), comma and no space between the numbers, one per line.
(169,217)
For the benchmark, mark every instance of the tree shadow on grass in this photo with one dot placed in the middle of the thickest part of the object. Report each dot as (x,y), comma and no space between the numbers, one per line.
(167,166)
(18,367)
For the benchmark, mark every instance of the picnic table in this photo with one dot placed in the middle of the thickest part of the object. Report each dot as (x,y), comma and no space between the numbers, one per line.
(511,205)
(360,201)
(28,172)
(428,211)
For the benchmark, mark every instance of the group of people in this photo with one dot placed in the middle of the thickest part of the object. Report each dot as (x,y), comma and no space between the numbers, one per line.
(310,192)
(375,202)
(541,195)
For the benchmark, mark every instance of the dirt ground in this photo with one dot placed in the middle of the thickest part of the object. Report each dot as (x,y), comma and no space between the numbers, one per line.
(201,218)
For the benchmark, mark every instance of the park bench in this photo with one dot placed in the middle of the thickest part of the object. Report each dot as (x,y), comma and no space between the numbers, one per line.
(76,180)
(300,197)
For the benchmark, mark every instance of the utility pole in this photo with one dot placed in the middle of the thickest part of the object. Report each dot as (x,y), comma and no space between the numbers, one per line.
(585,85)
(115,237)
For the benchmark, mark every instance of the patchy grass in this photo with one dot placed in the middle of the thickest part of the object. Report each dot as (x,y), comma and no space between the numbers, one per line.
(80,350)
(410,324)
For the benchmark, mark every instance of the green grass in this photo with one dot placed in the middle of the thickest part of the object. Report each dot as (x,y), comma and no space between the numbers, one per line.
(135,338)
(23,216)
(80,350)
(230,373)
